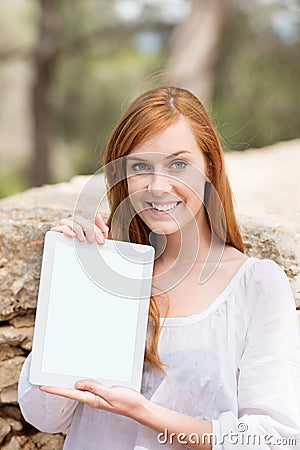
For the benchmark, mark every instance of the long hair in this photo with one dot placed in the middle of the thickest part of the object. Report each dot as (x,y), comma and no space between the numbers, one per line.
(150,113)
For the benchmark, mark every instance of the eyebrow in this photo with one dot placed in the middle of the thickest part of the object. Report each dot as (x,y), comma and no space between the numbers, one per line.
(137,158)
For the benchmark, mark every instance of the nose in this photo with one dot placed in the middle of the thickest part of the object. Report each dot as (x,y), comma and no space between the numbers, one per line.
(159,185)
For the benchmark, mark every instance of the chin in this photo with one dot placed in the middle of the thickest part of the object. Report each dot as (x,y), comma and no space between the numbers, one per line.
(165,231)
(160,227)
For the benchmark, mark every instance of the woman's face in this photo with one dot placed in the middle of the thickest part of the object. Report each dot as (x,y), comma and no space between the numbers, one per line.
(166,178)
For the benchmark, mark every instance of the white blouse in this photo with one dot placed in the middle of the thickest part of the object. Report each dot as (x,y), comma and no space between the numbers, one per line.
(233,364)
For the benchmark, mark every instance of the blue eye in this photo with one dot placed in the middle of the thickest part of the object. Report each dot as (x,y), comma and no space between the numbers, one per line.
(179,164)
(141,167)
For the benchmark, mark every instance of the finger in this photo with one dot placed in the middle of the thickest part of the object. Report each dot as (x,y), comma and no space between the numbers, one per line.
(93,386)
(87,226)
(94,231)
(81,396)
(99,235)
(101,224)
(65,230)
(66,392)
(56,228)
(73,394)
(75,227)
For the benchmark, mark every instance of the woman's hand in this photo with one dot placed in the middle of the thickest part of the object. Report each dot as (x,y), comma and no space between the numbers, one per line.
(115,399)
(84,229)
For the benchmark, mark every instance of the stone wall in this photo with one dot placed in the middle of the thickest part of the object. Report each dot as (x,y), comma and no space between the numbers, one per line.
(24,220)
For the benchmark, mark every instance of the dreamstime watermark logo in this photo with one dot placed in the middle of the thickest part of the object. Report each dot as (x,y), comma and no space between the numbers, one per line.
(233,437)
(191,183)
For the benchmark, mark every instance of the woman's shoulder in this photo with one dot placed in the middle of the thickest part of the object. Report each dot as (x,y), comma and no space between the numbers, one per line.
(258,277)
(264,286)
(259,267)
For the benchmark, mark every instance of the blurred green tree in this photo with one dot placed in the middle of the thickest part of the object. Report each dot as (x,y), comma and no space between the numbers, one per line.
(93,56)
(256,94)
(196,45)
(87,59)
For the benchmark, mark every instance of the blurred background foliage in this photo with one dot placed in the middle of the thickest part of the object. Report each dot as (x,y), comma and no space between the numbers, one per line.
(69,67)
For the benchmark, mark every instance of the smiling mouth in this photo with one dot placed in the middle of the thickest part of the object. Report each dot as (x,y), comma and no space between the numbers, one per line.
(163,207)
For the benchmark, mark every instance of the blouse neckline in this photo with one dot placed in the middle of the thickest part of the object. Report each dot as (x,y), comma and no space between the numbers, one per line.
(183,320)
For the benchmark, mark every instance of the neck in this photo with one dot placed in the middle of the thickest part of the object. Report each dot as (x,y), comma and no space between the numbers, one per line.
(194,243)
(188,245)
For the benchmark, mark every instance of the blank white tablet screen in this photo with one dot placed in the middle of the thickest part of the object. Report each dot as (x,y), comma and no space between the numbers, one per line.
(83,317)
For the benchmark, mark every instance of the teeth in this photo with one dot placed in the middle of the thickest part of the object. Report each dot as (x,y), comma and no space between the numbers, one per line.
(164,207)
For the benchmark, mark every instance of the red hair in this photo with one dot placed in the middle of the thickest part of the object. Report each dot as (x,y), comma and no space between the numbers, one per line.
(150,113)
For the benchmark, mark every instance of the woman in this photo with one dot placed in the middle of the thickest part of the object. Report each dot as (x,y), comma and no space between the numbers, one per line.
(221,348)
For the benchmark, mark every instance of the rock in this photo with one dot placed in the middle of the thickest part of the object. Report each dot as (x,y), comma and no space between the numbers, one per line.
(267,213)
(19,443)
(15,425)
(4,429)
(59,196)
(48,441)
(3,261)
(8,352)
(12,412)
(10,371)
(9,395)
(23,321)
(27,344)
(44,441)
(265,182)
(22,235)
(271,240)
(264,237)
(41,208)
(17,286)
(15,336)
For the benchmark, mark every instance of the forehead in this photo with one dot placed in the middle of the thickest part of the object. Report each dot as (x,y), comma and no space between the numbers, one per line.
(176,137)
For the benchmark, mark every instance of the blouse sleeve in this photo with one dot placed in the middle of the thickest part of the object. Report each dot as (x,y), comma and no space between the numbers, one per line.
(46,412)
(268,408)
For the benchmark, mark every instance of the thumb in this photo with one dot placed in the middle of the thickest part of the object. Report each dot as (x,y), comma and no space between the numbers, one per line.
(89,385)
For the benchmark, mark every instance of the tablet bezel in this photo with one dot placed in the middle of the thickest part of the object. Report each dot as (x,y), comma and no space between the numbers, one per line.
(37,376)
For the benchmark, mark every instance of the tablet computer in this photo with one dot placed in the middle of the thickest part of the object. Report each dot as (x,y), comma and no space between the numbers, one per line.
(92,312)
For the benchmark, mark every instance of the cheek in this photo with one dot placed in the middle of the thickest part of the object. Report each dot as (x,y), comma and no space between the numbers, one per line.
(136,191)
(198,195)
(136,185)
(193,192)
